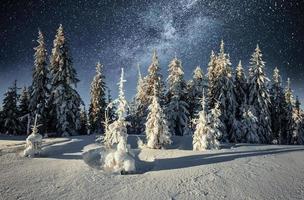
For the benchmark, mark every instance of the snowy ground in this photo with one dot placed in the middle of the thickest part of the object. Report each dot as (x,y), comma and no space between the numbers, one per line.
(68,169)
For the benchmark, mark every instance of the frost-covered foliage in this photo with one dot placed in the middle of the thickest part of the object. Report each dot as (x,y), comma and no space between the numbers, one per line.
(177,107)
(118,129)
(10,114)
(195,89)
(98,101)
(39,90)
(157,131)
(206,130)
(64,100)
(83,122)
(33,142)
(259,96)
(249,127)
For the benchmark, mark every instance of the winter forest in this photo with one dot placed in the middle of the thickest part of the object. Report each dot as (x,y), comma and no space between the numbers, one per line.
(224,104)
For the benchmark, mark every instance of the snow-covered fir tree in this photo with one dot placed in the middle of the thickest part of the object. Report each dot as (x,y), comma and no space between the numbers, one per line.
(298,124)
(24,113)
(248,127)
(117,130)
(277,107)
(240,83)
(288,120)
(39,90)
(259,96)
(212,77)
(177,107)
(195,89)
(111,108)
(157,131)
(138,107)
(64,99)
(205,136)
(10,113)
(98,101)
(154,79)
(222,90)
(33,141)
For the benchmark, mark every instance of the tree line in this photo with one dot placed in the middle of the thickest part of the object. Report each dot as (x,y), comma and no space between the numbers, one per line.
(237,106)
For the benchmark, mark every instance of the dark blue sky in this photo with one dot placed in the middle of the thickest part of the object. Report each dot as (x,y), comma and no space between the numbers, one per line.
(123,33)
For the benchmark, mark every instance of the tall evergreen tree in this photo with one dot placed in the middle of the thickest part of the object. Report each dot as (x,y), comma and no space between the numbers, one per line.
(64,98)
(98,101)
(278,107)
(240,83)
(195,91)
(157,131)
(138,107)
(288,120)
(39,91)
(222,90)
(177,108)
(259,96)
(154,79)
(10,114)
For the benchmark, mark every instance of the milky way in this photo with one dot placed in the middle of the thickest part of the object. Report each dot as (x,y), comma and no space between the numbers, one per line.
(124,33)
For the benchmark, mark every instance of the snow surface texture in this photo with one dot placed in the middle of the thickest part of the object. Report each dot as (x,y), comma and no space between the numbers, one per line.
(241,171)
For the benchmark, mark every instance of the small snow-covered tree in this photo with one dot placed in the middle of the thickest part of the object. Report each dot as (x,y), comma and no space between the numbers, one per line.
(117,130)
(249,127)
(98,101)
(206,132)
(120,160)
(64,100)
(287,132)
(259,96)
(157,131)
(195,89)
(39,91)
(177,107)
(33,141)
(10,114)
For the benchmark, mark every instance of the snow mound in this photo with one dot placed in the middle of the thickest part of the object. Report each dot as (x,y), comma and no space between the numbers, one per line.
(33,145)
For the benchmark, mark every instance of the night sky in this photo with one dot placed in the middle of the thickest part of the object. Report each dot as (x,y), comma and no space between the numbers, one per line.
(124,33)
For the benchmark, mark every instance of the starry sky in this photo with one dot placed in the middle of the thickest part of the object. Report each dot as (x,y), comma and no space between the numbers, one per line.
(122,33)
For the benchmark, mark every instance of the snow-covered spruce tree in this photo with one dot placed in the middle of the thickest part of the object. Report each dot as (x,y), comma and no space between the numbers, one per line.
(33,141)
(212,77)
(222,91)
(248,127)
(64,100)
(215,121)
(111,108)
(83,130)
(277,107)
(39,91)
(240,91)
(154,79)
(120,160)
(138,108)
(157,131)
(298,124)
(117,130)
(24,113)
(177,108)
(195,89)
(204,137)
(10,114)
(259,96)
(288,120)
(98,101)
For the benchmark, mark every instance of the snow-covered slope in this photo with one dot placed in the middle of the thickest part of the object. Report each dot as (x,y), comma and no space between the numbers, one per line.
(68,169)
